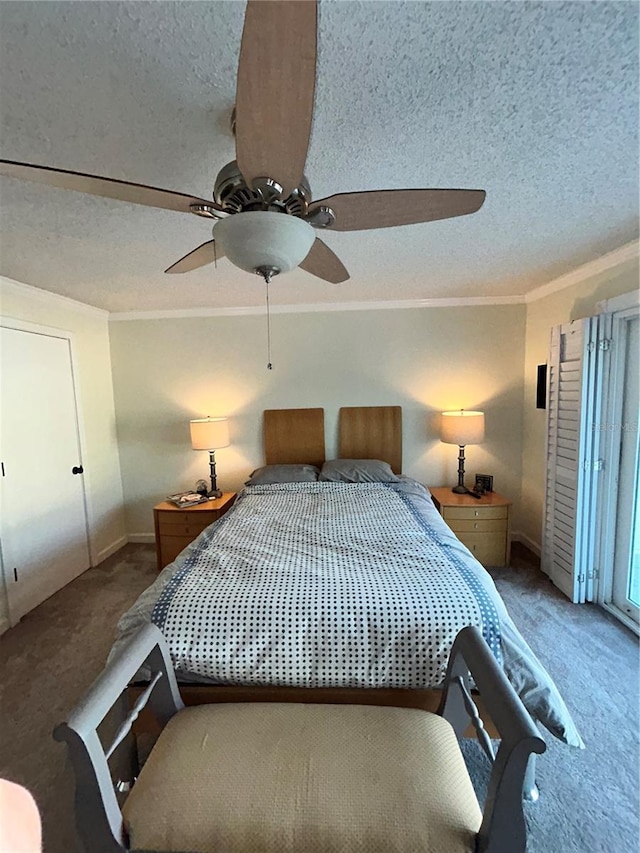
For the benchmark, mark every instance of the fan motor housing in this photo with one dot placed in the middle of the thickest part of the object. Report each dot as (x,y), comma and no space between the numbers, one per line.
(233,194)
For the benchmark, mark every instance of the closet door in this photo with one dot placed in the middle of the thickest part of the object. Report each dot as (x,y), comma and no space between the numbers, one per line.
(43,520)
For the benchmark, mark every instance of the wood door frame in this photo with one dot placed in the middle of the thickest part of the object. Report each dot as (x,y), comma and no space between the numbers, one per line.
(19,325)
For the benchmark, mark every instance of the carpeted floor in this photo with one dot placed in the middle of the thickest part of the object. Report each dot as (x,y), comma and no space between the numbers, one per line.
(46,662)
(589,800)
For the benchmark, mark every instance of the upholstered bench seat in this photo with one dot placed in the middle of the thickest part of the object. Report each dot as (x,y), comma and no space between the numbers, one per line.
(300,778)
(282,777)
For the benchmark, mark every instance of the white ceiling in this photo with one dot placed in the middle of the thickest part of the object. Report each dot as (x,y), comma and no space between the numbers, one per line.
(535,102)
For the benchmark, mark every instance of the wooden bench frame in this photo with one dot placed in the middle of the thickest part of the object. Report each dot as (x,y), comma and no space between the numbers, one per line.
(99,819)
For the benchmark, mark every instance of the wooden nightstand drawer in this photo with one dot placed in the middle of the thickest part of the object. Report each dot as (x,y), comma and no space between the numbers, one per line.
(487,548)
(172,546)
(477,525)
(470,512)
(177,527)
(179,516)
(185,525)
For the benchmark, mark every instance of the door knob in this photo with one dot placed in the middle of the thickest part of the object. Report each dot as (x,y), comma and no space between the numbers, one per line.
(77,469)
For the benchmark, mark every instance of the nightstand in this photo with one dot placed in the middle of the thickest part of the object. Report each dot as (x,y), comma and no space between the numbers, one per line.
(177,526)
(482,524)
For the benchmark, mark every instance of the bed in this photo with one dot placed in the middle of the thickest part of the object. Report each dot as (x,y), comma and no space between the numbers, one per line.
(347,588)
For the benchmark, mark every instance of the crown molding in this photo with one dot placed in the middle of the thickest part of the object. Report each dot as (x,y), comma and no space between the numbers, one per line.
(628,252)
(610,261)
(27,290)
(453,302)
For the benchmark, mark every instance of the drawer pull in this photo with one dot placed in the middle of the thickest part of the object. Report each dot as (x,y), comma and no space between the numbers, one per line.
(475,525)
(476,513)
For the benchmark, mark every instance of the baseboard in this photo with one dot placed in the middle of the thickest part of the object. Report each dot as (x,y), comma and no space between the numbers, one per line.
(142,538)
(102,555)
(4,625)
(529,543)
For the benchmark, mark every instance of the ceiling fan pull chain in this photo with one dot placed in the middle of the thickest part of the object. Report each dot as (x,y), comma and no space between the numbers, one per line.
(269,365)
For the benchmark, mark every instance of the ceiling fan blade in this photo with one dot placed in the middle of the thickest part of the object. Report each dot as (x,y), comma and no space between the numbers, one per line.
(105,187)
(205,254)
(324,263)
(388,208)
(276,82)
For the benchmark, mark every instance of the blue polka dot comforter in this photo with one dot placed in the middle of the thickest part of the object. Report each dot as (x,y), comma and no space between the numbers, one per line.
(335,585)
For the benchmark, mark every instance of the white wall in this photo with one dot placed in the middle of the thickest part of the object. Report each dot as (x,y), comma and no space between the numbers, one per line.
(167,371)
(92,359)
(570,303)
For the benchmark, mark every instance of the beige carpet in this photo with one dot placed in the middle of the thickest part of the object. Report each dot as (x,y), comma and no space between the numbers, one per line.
(589,799)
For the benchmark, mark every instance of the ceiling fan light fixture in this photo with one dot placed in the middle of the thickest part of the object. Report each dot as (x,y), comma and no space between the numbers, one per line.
(261,239)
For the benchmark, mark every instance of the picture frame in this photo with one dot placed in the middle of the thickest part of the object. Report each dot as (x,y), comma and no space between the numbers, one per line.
(484,482)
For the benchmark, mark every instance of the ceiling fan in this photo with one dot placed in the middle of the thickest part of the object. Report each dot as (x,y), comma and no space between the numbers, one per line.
(265,216)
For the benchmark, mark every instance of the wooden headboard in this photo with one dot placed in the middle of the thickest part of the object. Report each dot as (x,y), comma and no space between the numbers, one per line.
(372,432)
(293,436)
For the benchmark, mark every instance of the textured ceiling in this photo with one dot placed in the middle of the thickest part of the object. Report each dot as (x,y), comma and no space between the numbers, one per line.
(535,102)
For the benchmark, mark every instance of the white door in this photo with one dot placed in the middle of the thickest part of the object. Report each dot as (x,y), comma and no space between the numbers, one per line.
(43,520)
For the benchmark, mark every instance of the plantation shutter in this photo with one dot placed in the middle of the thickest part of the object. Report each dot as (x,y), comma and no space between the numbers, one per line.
(574,393)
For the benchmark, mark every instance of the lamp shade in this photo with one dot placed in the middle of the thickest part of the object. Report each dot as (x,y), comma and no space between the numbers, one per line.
(262,239)
(209,433)
(462,427)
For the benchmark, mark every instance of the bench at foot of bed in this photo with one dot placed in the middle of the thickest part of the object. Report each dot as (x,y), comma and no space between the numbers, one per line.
(293,776)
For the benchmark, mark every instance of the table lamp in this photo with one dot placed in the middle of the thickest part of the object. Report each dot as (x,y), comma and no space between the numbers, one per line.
(461,428)
(210,434)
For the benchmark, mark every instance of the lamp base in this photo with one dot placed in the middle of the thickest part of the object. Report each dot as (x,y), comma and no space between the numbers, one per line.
(214,491)
(460,489)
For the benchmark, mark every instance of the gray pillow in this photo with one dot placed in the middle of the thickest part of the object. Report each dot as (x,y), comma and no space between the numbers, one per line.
(358,471)
(270,474)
